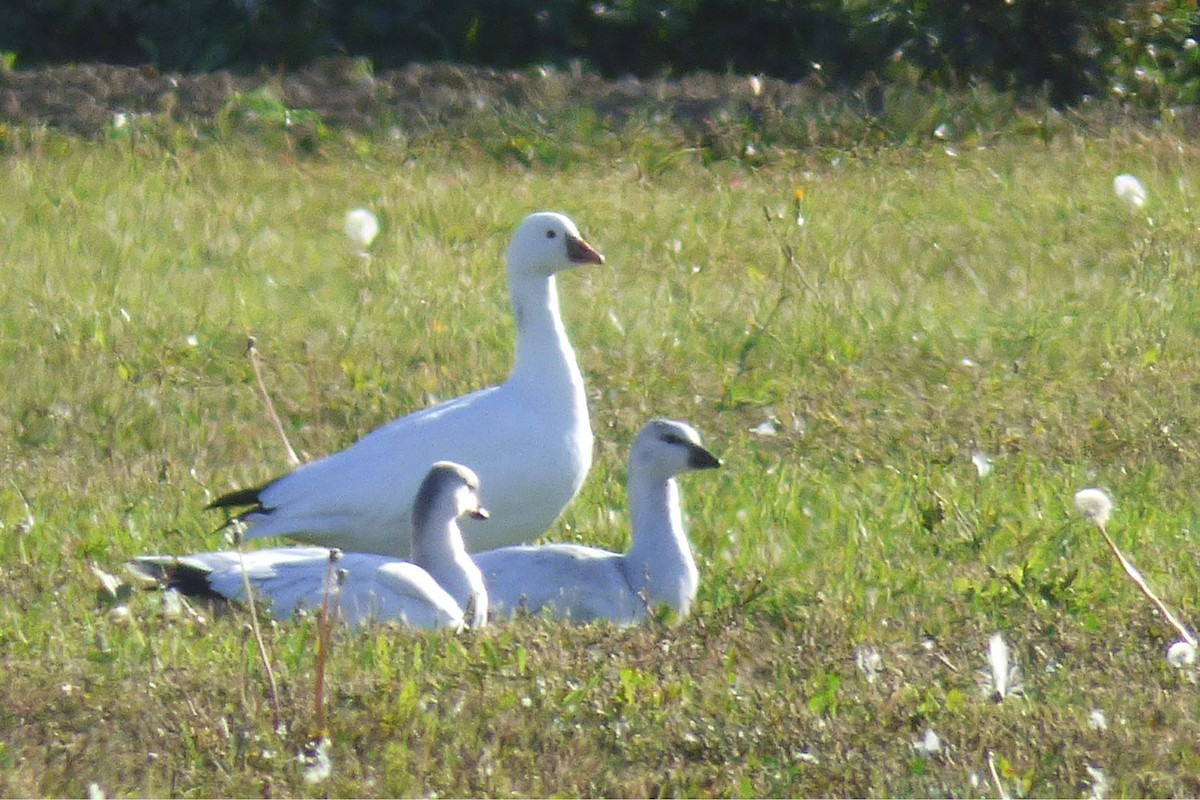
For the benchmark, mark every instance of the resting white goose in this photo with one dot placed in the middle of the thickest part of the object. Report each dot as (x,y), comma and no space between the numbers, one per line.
(434,590)
(529,439)
(583,584)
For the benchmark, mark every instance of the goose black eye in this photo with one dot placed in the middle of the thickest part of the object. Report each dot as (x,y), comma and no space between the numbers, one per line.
(551,234)
(671,438)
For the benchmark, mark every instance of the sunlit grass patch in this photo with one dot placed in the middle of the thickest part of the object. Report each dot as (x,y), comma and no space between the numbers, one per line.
(854,352)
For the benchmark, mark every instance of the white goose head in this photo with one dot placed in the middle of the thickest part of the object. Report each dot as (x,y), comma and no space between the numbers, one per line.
(664,448)
(545,243)
(449,491)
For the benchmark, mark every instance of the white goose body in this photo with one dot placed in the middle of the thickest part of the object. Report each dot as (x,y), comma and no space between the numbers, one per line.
(583,584)
(529,439)
(439,587)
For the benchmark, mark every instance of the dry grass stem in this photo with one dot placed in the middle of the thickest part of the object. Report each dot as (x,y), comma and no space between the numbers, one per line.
(1140,582)
(991,758)
(254,628)
(252,354)
(333,588)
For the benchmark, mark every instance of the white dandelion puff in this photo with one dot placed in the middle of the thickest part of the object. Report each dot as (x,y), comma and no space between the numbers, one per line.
(983,464)
(1130,190)
(1096,720)
(1094,505)
(1181,654)
(361,228)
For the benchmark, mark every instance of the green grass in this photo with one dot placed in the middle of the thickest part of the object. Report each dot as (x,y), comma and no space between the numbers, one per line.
(933,304)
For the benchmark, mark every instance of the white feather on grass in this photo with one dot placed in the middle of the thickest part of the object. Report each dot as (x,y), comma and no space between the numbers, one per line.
(1002,677)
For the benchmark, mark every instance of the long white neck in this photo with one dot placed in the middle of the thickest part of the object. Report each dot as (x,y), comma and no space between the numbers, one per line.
(445,558)
(659,560)
(544,353)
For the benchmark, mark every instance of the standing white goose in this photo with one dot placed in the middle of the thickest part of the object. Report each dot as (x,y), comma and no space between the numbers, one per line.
(434,590)
(582,584)
(529,438)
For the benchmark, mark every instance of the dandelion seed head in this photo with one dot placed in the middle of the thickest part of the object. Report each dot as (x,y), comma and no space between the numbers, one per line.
(361,228)
(1130,190)
(983,464)
(1096,720)
(1094,505)
(1181,654)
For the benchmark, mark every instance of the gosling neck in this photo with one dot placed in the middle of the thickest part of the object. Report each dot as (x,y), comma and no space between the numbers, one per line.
(660,559)
(443,555)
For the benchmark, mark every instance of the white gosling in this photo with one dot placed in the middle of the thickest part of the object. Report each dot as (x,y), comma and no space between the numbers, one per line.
(583,584)
(529,438)
(439,587)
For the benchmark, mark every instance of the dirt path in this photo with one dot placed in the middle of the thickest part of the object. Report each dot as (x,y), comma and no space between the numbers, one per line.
(84,99)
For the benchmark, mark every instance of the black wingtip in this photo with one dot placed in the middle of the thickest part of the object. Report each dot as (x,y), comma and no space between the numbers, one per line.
(187,579)
(242,497)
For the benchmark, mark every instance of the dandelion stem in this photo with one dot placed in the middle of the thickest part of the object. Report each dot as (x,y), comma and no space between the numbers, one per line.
(252,354)
(1137,578)
(258,640)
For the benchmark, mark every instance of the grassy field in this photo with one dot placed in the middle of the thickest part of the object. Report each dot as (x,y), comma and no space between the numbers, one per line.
(938,309)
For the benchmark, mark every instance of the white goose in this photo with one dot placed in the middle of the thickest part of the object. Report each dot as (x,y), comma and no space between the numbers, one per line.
(582,584)
(434,590)
(529,438)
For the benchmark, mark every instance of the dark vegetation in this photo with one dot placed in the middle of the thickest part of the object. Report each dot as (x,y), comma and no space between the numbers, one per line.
(1061,49)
